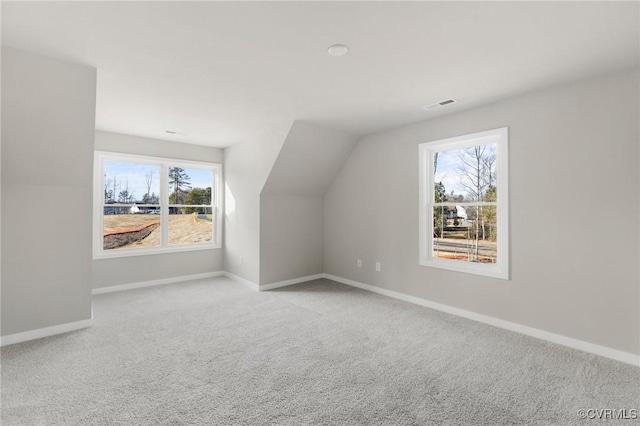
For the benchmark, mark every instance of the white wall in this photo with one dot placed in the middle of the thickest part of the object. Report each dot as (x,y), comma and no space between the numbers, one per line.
(291,202)
(247,166)
(126,270)
(48,119)
(295,160)
(290,237)
(574,188)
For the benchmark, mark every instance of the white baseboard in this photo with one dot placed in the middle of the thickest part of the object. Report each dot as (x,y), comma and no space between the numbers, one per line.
(592,348)
(251,285)
(290,282)
(141,284)
(45,332)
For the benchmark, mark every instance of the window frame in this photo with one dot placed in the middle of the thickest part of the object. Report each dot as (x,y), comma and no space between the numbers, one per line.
(427,182)
(165,163)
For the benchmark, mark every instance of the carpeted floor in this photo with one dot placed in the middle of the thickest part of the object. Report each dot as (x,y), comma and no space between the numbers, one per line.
(213,352)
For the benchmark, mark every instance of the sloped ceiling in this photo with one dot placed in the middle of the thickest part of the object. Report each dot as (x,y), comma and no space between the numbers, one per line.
(309,160)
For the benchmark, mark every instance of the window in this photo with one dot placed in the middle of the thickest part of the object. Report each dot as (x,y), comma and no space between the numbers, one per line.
(146,205)
(464,204)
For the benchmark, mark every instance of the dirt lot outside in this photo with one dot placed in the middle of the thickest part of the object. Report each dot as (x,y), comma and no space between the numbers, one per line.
(183,228)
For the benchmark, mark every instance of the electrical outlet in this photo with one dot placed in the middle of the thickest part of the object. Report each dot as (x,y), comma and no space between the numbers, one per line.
(359,263)
(241,260)
(378,266)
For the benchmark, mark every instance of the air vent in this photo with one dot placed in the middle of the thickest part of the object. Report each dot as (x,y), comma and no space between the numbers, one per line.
(439,104)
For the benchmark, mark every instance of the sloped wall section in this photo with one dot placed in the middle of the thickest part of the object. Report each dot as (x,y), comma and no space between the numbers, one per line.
(247,167)
(291,202)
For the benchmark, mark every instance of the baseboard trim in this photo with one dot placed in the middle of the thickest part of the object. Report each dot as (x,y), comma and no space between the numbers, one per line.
(570,342)
(141,284)
(290,282)
(251,285)
(45,332)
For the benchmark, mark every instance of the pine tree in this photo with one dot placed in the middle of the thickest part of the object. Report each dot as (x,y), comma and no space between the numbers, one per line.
(180,181)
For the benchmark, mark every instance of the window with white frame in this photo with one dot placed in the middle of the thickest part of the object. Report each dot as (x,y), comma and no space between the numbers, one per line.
(464,203)
(146,205)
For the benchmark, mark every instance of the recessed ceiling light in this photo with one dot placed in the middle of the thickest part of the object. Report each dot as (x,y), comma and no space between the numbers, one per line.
(337,50)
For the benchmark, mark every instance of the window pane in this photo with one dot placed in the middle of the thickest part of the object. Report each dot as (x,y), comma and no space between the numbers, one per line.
(190,225)
(130,227)
(129,183)
(466,174)
(465,234)
(190,185)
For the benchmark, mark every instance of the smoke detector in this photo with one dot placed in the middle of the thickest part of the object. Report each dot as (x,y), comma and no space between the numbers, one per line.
(337,50)
(439,104)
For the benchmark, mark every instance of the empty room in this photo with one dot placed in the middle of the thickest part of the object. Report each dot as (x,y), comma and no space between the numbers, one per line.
(320,213)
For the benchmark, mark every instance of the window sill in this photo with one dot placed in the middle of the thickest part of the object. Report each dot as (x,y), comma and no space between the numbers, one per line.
(113,254)
(493,271)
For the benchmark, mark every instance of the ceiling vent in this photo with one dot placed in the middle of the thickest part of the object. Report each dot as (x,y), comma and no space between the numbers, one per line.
(439,104)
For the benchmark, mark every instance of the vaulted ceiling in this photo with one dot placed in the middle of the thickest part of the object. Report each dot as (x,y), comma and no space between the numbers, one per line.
(219,73)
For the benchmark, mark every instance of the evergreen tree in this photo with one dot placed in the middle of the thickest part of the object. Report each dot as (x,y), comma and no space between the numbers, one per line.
(180,181)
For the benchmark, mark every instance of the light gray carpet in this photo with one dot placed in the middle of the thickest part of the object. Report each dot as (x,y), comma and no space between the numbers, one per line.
(213,352)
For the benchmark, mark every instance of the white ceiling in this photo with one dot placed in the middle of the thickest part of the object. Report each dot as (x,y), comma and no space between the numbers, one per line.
(227,72)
